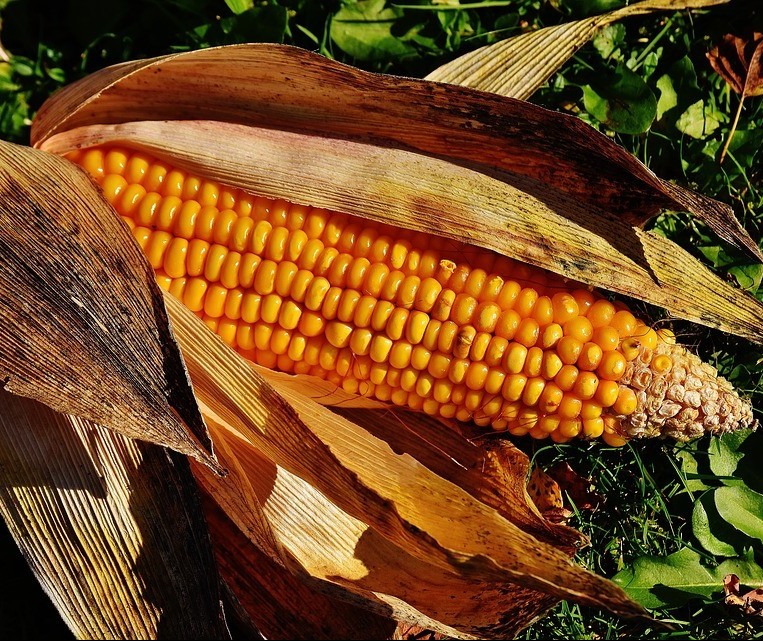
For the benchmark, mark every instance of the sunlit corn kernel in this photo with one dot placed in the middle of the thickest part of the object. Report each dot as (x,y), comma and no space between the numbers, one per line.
(507,325)
(608,338)
(513,386)
(570,427)
(533,362)
(612,366)
(601,313)
(566,377)
(593,427)
(630,348)
(586,385)
(549,423)
(590,409)
(527,332)
(514,358)
(580,328)
(550,399)
(569,407)
(565,307)
(569,349)
(661,363)
(551,335)
(590,357)
(532,391)
(626,402)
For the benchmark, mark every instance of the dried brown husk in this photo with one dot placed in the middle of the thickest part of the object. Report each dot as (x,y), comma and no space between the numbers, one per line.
(112,527)
(499,173)
(84,326)
(281,87)
(267,592)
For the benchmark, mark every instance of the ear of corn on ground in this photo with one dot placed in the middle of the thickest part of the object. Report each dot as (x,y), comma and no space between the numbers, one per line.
(412,319)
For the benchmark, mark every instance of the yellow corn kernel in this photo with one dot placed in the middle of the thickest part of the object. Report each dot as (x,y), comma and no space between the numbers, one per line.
(606,337)
(612,366)
(590,357)
(570,427)
(661,363)
(601,313)
(586,385)
(550,398)
(514,358)
(631,348)
(565,307)
(624,322)
(549,423)
(513,386)
(569,349)
(566,377)
(626,401)
(580,328)
(533,362)
(570,406)
(551,335)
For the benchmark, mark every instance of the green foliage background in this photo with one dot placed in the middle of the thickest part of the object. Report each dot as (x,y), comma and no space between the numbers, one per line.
(675,516)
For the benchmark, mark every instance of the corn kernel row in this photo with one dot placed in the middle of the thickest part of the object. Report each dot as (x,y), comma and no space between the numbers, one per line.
(408,318)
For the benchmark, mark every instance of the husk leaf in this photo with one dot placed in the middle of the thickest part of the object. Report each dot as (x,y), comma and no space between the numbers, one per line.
(342,557)
(111,527)
(518,217)
(517,67)
(287,88)
(278,603)
(84,325)
(430,518)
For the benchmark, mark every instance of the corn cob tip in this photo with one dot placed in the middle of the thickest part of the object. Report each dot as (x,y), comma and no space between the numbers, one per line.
(681,397)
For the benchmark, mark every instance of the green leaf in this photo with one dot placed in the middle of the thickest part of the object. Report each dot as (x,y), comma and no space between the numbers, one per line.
(699,120)
(713,532)
(748,276)
(742,508)
(622,101)
(671,581)
(668,96)
(690,468)
(725,452)
(364,31)
(609,39)
(583,8)
(259,24)
(239,6)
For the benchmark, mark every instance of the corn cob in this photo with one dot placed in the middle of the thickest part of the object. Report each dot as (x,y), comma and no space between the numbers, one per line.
(408,318)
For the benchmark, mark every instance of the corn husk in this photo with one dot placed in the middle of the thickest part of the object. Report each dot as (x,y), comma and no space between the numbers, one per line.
(517,67)
(121,554)
(90,334)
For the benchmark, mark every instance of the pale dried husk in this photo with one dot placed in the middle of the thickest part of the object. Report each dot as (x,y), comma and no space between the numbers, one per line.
(517,67)
(111,527)
(498,173)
